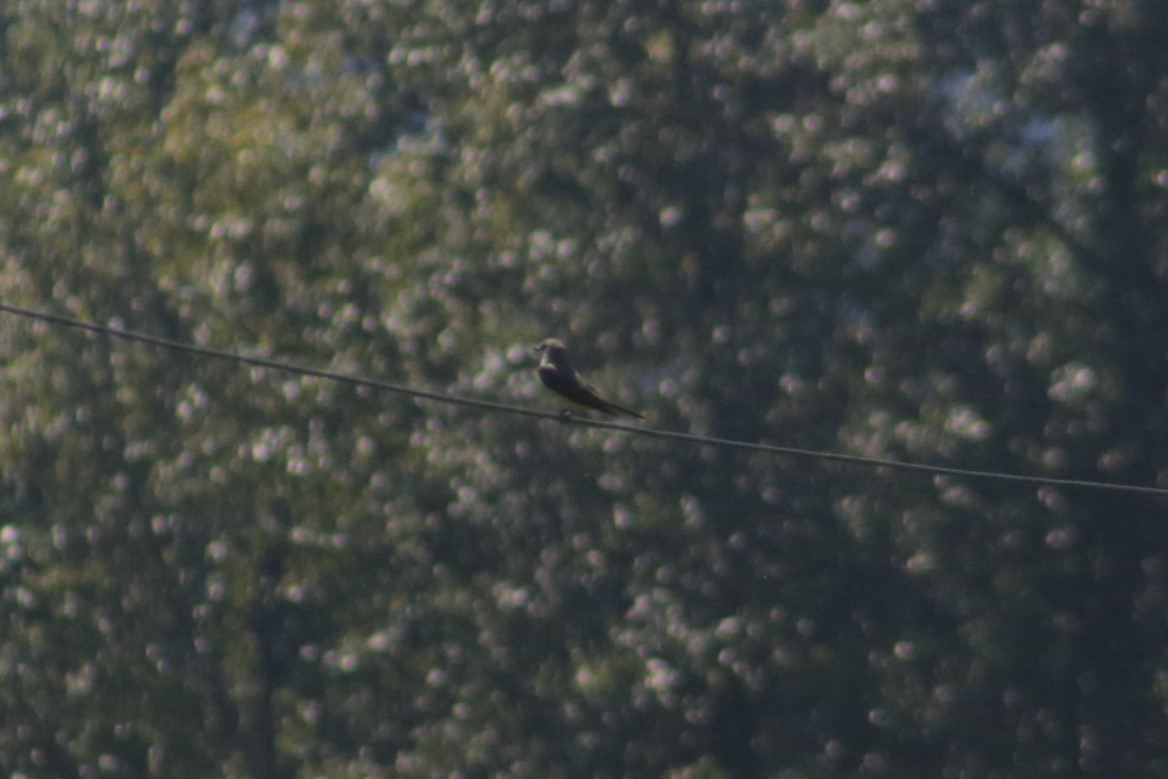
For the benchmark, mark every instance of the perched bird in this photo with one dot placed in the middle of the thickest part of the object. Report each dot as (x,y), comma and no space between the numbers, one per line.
(557,374)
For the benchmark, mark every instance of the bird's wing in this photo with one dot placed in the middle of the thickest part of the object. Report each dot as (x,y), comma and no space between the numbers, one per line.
(610,407)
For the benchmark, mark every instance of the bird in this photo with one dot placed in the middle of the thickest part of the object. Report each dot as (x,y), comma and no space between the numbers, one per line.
(557,374)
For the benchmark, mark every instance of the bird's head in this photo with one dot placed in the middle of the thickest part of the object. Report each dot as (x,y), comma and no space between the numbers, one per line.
(551,351)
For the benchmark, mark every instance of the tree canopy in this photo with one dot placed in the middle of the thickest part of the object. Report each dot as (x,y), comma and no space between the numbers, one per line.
(926,230)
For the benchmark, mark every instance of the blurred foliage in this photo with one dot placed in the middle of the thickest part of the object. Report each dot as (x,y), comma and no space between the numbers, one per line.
(923,230)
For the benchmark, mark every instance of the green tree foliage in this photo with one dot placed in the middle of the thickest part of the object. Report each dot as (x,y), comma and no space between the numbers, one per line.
(929,231)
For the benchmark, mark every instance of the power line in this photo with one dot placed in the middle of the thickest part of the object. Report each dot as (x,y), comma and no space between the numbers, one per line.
(441,397)
(261,362)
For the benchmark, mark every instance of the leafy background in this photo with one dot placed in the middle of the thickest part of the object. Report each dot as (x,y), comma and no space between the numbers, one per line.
(928,230)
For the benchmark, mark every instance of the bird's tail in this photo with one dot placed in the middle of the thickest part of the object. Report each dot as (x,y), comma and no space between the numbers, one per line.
(626,411)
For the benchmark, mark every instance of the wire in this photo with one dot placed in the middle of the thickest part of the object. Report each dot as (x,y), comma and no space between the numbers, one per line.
(441,397)
(260,362)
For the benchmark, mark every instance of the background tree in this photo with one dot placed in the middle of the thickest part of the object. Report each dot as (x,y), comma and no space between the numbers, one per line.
(925,231)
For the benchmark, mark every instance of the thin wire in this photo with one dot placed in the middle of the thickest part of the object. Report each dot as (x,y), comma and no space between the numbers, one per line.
(441,397)
(260,362)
